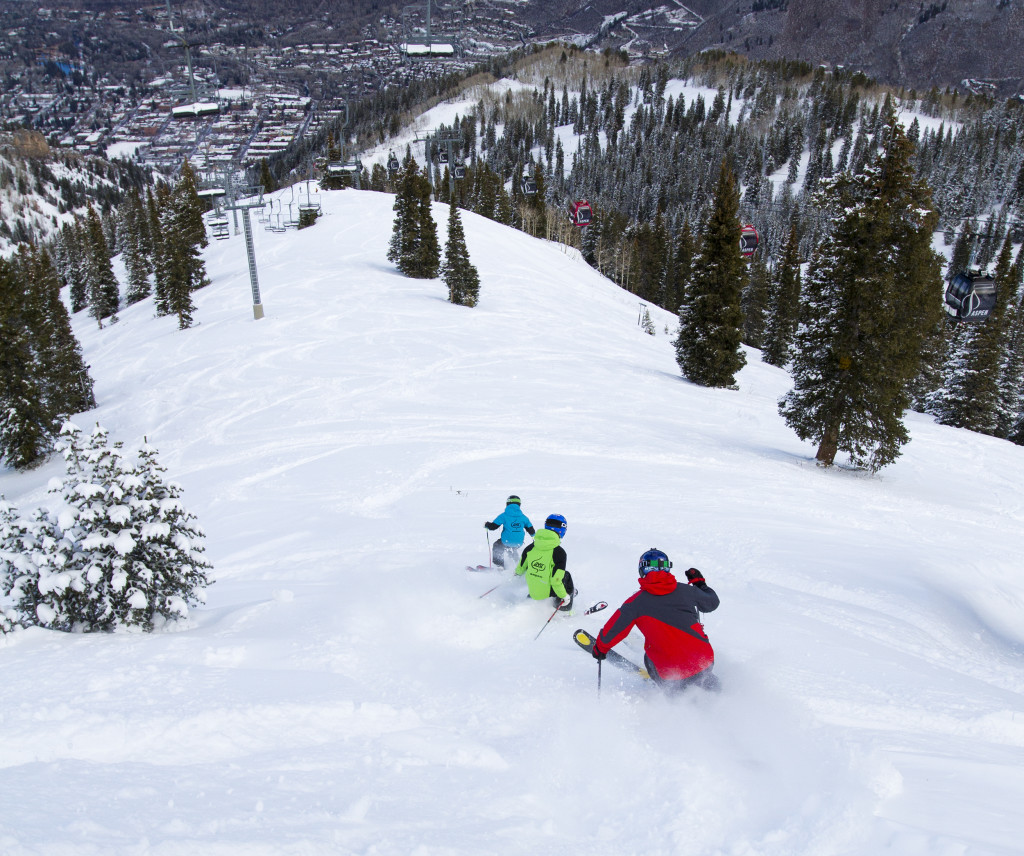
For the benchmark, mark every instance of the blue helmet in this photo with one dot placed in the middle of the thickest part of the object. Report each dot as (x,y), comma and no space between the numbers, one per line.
(556,523)
(653,560)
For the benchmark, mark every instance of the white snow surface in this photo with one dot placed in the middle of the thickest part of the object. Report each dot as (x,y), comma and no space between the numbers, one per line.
(346,690)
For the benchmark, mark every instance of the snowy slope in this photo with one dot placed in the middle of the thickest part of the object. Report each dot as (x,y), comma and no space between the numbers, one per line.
(345,690)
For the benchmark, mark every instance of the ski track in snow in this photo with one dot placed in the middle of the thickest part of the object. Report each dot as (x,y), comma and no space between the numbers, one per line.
(346,690)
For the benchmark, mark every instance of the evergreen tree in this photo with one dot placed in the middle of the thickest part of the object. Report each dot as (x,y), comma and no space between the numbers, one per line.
(711,320)
(870,304)
(25,423)
(755,301)
(180,260)
(678,274)
(104,294)
(120,550)
(971,393)
(458,271)
(136,258)
(74,240)
(784,306)
(65,380)
(428,255)
(158,205)
(405,234)
(1011,385)
(30,566)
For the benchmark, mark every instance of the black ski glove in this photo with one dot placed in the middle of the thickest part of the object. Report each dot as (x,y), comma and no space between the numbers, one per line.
(597,655)
(696,578)
(491,526)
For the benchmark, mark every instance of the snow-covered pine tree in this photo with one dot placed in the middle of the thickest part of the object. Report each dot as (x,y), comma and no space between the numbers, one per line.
(784,307)
(25,423)
(870,302)
(104,294)
(678,274)
(427,262)
(191,232)
(405,233)
(457,271)
(1011,381)
(10,552)
(136,259)
(158,213)
(166,566)
(119,551)
(755,302)
(971,392)
(710,321)
(65,377)
(37,571)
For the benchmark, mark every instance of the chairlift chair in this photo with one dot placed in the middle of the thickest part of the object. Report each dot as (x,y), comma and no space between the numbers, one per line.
(308,203)
(749,239)
(970,296)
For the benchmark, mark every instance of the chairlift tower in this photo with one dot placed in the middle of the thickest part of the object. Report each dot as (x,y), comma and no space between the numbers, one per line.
(249,197)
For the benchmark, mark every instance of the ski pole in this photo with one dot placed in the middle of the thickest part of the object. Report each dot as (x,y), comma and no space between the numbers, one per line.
(488,534)
(492,588)
(546,623)
(599,679)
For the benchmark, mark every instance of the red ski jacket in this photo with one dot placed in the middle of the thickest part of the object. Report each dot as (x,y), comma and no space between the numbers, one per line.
(666,614)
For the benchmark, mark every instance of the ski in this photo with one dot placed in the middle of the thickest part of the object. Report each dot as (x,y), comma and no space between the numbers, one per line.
(586,642)
(483,568)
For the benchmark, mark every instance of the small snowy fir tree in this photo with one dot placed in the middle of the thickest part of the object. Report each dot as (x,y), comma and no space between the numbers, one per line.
(646,324)
(36,571)
(10,549)
(120,551)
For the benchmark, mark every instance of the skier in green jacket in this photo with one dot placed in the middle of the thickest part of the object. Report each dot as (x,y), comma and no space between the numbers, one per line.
(543,564)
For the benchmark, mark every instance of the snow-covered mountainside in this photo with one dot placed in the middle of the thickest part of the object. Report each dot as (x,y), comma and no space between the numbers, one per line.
(346,690)
(43,188)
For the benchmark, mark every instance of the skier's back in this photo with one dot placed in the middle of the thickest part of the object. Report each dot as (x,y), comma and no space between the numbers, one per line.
(677,652)
(543,565)
(514,525)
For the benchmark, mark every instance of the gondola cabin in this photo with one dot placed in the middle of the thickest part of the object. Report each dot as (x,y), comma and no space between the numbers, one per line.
(749,239)
(459,171)
(970,296)
(393,164)
(528,186)
(442,156)
(580,213)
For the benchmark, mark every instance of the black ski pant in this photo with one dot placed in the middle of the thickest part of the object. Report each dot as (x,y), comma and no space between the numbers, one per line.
(569,587)
(502,553)
(706,680)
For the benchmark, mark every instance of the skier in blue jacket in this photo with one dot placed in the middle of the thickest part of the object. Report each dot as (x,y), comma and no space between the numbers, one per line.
(514,525)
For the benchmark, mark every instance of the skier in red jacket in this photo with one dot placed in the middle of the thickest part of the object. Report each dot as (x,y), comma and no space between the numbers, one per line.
(677,653)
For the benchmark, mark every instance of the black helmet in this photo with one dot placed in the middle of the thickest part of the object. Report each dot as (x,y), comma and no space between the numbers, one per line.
(513,500)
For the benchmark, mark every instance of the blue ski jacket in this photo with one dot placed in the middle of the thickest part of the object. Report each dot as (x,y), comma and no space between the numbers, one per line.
(515,523)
